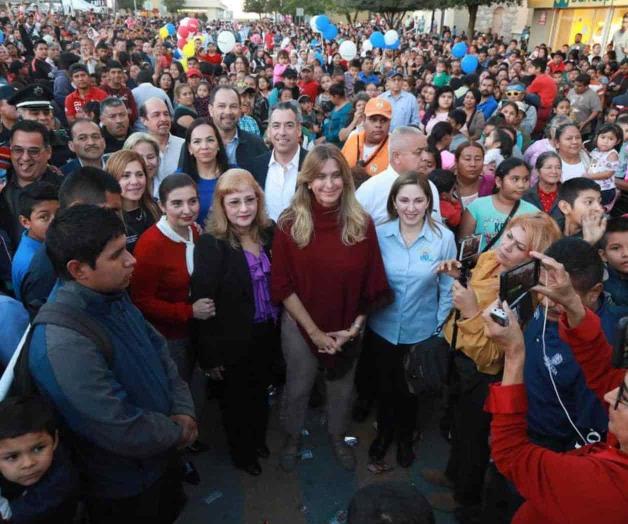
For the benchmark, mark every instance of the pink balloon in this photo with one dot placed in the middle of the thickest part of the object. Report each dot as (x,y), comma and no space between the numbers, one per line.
(181,42)
(193,25)
(183,32)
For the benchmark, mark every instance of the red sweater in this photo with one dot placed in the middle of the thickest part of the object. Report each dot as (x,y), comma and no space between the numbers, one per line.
(160,286)
(583,486)
(544,86)
(334,282)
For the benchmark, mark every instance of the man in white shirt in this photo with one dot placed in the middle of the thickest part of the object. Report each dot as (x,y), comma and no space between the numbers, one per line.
(277,172)
(144,92)
(157,118)
(405,147)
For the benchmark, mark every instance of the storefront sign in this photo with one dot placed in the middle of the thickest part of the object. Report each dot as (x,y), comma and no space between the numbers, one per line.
(564,4)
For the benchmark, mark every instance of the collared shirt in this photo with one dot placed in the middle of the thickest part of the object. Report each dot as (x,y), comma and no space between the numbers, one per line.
(422,296)
(231,148)
(168,161)
(373,196)
(488,107)
(405,110)
(280,184)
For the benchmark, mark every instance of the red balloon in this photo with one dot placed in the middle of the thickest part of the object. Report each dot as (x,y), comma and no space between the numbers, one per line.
(183,32)
(181,42)
(193,25)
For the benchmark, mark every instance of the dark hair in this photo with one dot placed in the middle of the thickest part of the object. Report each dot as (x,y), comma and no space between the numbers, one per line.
(610,128)
(39,42)
(438,161)
(496,120)
(145,75)
(172,182)
(391,502)
(570,190)
(458,115)
(581,261)
(443,179)
(113,64)
(506,142)
(412,178)
(539,63)
(187,163)
(33,194)
(508,165)
(87,185)
(560,99)
(20,415)
(623,118)
(111,101)
(82,121)
(76,68)
(614,225)
(476,94)
(545,156)
(337,90)
(214,92)
(31,126)
(439,131)
(466,145)
(81,232)
(561,129)
(583,78)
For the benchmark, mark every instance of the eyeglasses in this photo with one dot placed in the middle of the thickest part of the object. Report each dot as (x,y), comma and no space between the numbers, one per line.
(513,93)
(30,151)
(620,394)
(248,202)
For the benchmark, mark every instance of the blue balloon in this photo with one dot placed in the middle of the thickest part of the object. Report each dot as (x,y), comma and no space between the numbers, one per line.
(330,32)
(172,30)
(459,50)
(469,64)
(322,23)
(1,37)
(177,54)
(377,39)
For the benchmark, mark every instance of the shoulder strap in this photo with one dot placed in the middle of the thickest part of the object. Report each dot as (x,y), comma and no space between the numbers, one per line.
(75,319)
(503,228)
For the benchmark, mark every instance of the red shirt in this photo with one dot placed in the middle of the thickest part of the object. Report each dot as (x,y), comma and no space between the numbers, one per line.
(334,282)
(556,68)
(310,88)
(547,199)
(546,88)
(160,286)
(215,58)
(582,486)
(74,102)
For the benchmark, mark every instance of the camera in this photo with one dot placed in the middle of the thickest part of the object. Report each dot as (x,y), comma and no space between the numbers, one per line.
(499,316)
(620,349)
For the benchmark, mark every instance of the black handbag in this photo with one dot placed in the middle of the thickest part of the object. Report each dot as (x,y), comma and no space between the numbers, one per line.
(426,365)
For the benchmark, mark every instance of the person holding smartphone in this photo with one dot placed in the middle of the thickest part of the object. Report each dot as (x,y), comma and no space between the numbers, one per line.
(477,360)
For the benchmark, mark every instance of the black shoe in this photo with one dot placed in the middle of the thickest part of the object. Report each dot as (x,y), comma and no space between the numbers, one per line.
(262,451)
(405,453)
(197,447)
(379,447)
(190,474)
(361,409)
(253,469)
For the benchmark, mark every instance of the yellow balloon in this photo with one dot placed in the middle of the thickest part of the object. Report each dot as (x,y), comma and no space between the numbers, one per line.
(188,49)
(163,33)
(184,63)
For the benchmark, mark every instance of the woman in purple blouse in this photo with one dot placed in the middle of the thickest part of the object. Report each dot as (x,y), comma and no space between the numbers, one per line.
(238,345)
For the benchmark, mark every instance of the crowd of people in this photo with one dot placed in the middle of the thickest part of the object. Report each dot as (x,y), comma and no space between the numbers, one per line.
(278,215)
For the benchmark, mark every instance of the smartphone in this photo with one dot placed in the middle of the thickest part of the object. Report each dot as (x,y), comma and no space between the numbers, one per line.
(469,248)
(620,349)
(516,282)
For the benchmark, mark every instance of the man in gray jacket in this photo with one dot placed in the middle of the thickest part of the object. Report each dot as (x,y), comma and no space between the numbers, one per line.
(128,412)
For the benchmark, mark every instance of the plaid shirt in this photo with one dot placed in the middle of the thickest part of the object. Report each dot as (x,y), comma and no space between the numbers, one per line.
(248,124)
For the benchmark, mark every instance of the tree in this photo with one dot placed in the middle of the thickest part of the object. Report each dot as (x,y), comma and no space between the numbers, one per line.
(473,6)
(257,6)
(174,5)
(393,11)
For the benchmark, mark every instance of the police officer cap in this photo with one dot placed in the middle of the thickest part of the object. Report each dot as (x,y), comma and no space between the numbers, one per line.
(32,96)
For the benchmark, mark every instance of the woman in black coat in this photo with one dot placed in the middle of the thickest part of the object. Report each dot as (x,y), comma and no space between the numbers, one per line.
(237,346)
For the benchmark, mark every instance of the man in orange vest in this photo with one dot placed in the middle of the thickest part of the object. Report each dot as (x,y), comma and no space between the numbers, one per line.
(369,147)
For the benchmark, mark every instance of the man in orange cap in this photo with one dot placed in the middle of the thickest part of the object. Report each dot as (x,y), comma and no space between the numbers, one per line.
(369,147)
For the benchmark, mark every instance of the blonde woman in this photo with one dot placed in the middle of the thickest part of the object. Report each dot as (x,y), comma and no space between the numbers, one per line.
(238,345)
(327,272)
(148,148)
(139,209)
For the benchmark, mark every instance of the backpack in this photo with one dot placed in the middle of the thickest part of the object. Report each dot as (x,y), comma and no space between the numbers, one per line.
(62,315)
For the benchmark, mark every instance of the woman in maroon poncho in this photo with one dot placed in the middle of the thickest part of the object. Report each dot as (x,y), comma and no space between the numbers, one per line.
(328,272)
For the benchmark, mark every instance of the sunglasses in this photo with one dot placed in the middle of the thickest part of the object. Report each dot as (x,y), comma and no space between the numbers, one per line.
(513,93)
(620,395)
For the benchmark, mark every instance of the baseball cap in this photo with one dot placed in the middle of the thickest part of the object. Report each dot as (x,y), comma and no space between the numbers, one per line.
(393,74)
(377,106)
(193,72)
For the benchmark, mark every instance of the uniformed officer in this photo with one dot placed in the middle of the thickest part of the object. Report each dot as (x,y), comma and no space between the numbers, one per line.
(35,102)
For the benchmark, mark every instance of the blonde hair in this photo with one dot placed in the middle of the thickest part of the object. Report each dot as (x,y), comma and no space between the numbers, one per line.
(117,164)
(218,225)
(298,217)
(139,138)
(541,229)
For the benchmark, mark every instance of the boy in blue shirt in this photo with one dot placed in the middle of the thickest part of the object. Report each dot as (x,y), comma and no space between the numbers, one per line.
(38,204)
(614,251)
(37,479)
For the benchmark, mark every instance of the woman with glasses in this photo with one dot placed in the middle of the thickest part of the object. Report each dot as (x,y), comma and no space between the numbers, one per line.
(237,347)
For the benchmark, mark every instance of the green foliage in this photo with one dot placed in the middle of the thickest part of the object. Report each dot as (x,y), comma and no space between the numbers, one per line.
(173,5)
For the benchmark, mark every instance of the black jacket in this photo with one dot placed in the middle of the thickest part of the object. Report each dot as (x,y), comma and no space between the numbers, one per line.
(222,274)
(249,146)
(258,166)
(532,196)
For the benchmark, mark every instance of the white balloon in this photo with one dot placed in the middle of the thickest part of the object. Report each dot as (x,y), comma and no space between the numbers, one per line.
(348,50)
(367,46)
(313,24)
(391,36)
(285,43)
(226,41)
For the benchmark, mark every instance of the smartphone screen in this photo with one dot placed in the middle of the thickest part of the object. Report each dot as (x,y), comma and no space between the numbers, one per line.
(516,282)
(470,247)
(620,349)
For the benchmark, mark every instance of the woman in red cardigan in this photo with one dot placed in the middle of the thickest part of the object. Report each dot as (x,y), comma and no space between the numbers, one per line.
(582,486)
(160,286)
(328,272)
